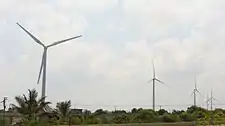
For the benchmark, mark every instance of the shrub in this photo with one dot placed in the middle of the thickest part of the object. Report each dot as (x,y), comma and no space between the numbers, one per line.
(169,118)
(75,121)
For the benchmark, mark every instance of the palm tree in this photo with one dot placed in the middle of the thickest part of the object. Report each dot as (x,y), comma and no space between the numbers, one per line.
(29,106)
(63,109)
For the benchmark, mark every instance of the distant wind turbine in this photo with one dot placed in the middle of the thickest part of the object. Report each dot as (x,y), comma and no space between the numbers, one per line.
(195,91)
(207,102)
(210,100)
(44,56)
(154,79)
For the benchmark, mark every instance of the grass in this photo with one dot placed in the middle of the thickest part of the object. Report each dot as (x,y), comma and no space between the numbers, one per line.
(148,124)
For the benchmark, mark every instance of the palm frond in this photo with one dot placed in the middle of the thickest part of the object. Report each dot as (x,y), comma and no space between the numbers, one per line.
(29,106)
(63,108)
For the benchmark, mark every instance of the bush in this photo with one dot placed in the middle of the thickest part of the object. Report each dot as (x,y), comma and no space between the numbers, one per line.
(186,117)
(91,120)
(145,116)
(7,122)
(103,120)
(75,121)
(35,123)
(169,118)
(121,119)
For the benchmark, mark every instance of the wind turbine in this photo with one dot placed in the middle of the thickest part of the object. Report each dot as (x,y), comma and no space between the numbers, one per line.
(195,91)
(207,102)
(211,100)
(44,56)
(154,79)
(211,106)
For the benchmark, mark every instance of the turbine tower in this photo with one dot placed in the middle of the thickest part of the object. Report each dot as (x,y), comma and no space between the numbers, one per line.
(195,91)
(211,106)
(207,102)
(154,79)
(211,100)
(44,56)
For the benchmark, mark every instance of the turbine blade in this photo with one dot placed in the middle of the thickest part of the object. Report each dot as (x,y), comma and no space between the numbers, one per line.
(153,68)
(62,41)
(150,80)
(33,37)
(215,99)
(195,82)
(162,82)
(199,93)
(192,93)
(42,63)
(207,100)
(159,81)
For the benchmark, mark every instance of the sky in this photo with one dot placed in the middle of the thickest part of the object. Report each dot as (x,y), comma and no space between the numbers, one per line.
(110,66)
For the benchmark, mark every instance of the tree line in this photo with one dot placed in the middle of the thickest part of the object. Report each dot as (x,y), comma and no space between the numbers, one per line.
(32,110)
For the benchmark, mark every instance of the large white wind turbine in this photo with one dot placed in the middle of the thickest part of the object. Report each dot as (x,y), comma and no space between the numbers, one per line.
(195,91)
(154,79)
(44,56)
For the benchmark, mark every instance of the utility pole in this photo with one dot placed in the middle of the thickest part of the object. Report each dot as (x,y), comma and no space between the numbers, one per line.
(4,108)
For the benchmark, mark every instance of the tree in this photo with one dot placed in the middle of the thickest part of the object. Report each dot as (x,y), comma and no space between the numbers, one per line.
(100,112)
(29,106)
(120,118)
(162,112)
(194,109)
(186,116)
(134,110)
(169,118)
(145,116)
(63,109)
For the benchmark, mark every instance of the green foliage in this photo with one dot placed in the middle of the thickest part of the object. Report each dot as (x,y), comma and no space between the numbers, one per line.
(121,118)
(162,112)
(6,122)
(32,111)
(32,122)
(29,106)
(63,110)
(169,118)
(145,116)
(186,117)
(91,120)
(75,120)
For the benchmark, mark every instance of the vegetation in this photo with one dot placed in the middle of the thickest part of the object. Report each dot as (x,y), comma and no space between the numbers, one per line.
(29,107)
(33,112)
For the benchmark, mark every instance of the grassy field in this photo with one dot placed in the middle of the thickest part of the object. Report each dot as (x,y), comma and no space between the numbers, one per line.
(149,124)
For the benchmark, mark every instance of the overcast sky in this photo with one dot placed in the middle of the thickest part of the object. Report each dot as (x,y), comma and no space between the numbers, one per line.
(111,64)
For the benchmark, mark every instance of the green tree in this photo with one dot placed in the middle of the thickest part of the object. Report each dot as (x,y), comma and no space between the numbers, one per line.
(100,112)
(121,118)
(145,116)
(170,118)
(30,106)
(64,109)
(194,109)
(186,116)
(162,112)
